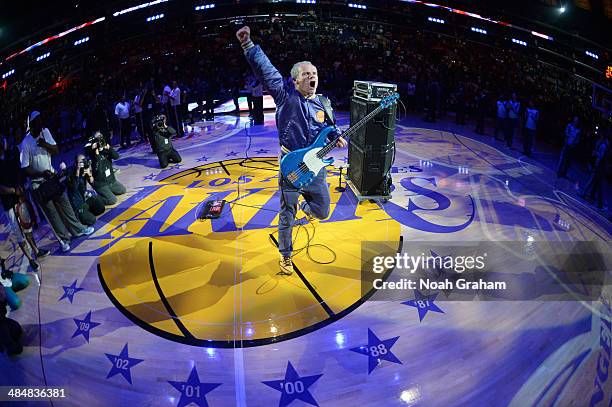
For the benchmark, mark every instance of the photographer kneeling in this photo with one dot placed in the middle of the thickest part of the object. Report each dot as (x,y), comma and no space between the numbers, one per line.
(105,183)
(162,137)
(86,205)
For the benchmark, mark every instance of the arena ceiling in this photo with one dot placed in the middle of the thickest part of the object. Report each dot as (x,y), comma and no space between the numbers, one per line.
(26,21)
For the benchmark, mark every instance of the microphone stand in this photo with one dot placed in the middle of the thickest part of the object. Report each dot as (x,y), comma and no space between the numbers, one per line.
(340,188)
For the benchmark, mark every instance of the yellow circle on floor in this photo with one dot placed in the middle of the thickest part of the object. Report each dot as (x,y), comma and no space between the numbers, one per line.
(215,282)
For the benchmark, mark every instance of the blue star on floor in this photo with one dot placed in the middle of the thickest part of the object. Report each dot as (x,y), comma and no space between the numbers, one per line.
(122,363)
(70,291)
(149,177)
(424,303)
(176,166)
(84,326)
(294,387)
(344,160)
(377,350)
(202,159)
(231,154)
(262,151)
(197,390)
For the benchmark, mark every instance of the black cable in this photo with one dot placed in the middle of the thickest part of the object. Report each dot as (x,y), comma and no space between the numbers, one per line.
(310,238)
(42,365)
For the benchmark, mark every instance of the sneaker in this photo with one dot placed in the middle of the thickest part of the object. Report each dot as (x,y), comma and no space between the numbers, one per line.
(65,246)
(286,266)
(87,231)
(34,265)
(42,253)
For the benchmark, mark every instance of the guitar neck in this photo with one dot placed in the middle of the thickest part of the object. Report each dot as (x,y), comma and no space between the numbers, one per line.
(330,146)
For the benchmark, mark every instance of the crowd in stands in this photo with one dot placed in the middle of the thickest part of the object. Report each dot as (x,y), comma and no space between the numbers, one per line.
(123,88)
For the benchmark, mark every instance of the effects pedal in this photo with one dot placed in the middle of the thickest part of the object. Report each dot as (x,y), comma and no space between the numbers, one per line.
(212,209)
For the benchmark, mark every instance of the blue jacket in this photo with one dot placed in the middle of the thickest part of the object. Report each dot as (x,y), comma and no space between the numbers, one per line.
(298,119)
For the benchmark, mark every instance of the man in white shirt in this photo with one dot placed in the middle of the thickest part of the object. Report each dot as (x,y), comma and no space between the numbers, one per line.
(165,100)
(122,111)
(513,108)
(502,116)
(137,104)
(176,118)
(35,157)
(532,115)
(572,137)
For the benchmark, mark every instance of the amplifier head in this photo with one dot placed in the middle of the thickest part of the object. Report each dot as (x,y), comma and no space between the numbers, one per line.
(373,91)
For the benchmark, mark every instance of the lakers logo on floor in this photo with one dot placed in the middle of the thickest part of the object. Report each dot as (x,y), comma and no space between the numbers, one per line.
(215,282)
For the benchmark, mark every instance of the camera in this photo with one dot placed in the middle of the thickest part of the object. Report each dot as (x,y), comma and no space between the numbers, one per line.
(86,164)
(98,139)
(158,121)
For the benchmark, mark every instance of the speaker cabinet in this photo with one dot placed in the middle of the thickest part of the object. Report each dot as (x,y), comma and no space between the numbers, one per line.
(372,149)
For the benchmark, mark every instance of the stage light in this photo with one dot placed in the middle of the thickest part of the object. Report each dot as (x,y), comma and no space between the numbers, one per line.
(43,56)
(7,74)
(155,17)
(140,6)
(411,396)
(361,6)
(340,338)
(436,20)
(204,7)
(592,54)
(562,10)
(523,43)
(479,30)
(306,1)
(82,40)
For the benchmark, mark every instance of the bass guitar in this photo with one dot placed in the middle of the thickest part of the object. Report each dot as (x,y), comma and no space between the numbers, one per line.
(301,166)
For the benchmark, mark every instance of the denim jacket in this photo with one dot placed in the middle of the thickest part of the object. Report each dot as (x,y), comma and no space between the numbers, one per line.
(298,119)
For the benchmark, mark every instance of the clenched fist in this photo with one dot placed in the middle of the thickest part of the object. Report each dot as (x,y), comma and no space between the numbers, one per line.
(243,34)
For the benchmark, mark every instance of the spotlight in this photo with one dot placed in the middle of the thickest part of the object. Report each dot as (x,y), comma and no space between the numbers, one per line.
(592,54)
(82,40)
(43,56)
(562,10)
(205,7)
(155,17)
(435,20)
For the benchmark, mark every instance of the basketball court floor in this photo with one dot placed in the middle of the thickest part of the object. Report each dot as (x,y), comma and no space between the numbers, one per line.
(158,308)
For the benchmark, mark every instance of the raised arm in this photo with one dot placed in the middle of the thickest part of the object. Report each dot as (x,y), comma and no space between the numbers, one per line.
(262,67)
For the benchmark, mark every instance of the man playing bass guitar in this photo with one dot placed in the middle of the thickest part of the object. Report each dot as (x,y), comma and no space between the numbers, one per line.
(300,115)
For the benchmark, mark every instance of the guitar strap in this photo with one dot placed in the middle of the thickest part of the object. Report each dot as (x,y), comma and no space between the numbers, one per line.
(329,112)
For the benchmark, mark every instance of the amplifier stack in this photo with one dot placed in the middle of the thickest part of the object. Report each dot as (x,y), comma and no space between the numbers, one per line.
(372,148)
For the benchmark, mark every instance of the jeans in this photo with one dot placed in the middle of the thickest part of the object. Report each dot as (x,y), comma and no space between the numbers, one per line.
(510,126)
(594,186)
(108,191)
(528,140)
(565,160)
(317,201)
(126,130)
(62,218)
(169,156)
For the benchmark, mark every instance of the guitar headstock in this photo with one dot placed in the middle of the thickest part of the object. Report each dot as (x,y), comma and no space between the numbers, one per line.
(389,100)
